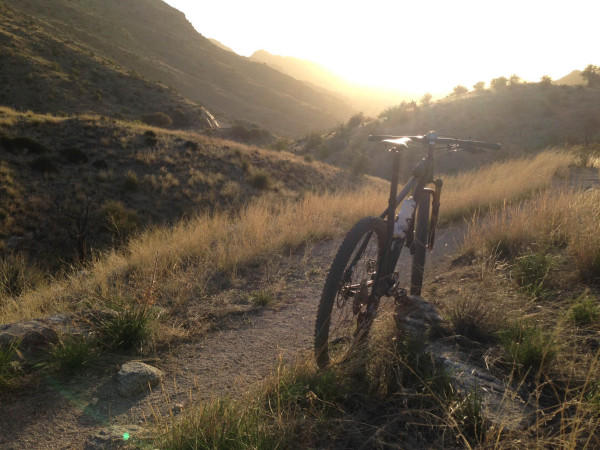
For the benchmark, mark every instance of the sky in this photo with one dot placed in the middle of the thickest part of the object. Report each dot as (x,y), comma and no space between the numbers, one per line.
(413,46)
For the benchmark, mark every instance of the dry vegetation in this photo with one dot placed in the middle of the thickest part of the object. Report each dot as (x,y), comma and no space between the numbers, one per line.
(78,184)
(217,245)
(522,300)
(531,247)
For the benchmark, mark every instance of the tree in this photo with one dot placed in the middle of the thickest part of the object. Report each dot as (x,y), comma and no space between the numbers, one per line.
(460,90)
(592,74)
(479,86)
(498,83)
(426,99)
(514,79)
(546,80)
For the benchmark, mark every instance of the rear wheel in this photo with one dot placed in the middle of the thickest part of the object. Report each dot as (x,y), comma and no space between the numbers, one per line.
(341,315)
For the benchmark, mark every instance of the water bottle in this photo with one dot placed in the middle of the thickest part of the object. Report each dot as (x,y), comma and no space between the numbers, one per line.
(404,217)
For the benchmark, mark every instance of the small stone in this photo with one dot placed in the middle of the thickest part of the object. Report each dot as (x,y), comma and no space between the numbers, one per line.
(94,401)
(178,407)
(135,377)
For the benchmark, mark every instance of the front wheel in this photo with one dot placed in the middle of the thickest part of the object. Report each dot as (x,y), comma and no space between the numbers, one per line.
(341,317)
(421,241)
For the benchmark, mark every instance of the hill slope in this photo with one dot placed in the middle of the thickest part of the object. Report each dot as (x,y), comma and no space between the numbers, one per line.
(42,70)
(524,118)
(151,38)
(72,184)
(368,100)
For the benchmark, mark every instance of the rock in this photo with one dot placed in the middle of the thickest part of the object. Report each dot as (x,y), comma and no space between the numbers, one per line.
(135,377)
(37,334)
(501,403)
(414,315)
(32,335)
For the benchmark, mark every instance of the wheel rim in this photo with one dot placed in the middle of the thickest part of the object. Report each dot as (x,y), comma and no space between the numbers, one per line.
(350,302)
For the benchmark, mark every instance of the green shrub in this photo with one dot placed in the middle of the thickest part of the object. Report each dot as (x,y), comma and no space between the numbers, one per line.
(531,274)
(468,414)
(223,424)
(72,353)
(9,365)
(128,330)
(584,312)
(261,298)
(528,348)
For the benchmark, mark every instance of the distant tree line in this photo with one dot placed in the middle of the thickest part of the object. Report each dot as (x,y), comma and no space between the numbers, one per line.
(592,75)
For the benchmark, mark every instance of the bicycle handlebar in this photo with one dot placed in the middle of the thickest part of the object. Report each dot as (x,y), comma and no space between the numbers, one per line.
(465,143)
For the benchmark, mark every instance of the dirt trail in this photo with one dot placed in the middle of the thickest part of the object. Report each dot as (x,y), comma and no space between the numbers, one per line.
(67,413)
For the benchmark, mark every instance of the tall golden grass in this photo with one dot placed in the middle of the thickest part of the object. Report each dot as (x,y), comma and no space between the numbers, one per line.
(565,219)
(501,183)
(223,242)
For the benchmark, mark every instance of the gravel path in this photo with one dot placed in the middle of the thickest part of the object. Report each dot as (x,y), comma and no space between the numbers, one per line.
(68,413)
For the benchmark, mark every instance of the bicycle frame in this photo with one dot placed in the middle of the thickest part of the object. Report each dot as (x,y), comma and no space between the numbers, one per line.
(364,268)
(421,177)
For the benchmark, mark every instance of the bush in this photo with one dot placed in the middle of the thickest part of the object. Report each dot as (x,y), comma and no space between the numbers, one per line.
(72,353)
(17,275)
(19,144)
(131,181)
(471,318)
(128,330)
(74,155)
(261,298)
(8,362)
(261,179)
(584,312)
(180,118)
(119,219)
(531,274)
(158,119)
(529,349)
(44,164)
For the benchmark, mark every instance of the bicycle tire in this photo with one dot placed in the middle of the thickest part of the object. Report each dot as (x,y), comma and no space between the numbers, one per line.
(333,343)
(420,243)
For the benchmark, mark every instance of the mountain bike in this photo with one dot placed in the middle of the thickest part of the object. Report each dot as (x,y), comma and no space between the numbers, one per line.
(363,270)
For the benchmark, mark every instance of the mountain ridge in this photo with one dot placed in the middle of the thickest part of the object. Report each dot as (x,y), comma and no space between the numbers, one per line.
(152,39)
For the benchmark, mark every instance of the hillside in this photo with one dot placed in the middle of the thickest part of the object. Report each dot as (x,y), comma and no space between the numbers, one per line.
(43,71)
(366,99)
(524,118)
(572,79)
(73,185)
(149,39)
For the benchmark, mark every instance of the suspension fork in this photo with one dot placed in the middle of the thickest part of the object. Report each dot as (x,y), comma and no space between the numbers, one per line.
(435,211)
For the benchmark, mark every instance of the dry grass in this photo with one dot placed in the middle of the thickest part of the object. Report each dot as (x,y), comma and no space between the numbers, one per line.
(545,224)
(219,244)
(501,183)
